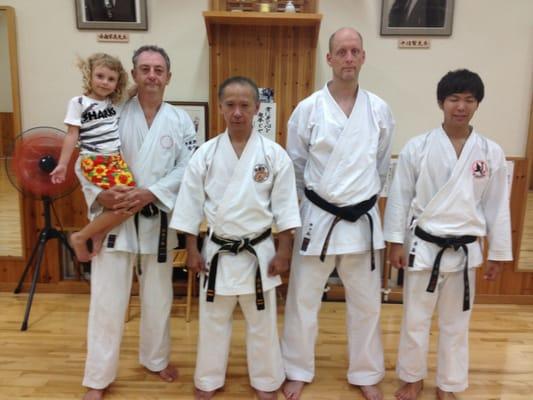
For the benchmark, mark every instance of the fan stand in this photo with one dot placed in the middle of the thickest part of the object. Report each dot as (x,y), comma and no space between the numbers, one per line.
(47,233)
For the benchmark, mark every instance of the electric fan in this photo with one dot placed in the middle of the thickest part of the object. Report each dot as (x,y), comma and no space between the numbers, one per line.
(34,155)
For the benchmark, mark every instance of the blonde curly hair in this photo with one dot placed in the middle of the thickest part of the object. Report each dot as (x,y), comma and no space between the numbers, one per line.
(102,59)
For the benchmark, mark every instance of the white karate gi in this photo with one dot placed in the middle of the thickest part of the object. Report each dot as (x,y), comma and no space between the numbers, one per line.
(221,188)
(445,196)
(345,161)
(157,157)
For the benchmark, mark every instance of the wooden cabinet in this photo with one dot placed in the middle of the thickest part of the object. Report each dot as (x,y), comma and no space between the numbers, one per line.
(277,50)
(303,6)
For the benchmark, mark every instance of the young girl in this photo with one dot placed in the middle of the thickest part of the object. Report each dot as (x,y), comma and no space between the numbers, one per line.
(92,121)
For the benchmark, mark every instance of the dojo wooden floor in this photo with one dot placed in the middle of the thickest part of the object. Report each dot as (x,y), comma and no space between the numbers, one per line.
(10,234)
(46,362)
(526,250)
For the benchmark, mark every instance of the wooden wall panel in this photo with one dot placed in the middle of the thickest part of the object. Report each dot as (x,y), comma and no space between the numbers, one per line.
(511,286)
(277,57)
(7,133)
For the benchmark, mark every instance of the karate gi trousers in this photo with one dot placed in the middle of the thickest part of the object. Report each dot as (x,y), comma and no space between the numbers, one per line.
(418,308)
(111,277)
(307,280)
(263,354)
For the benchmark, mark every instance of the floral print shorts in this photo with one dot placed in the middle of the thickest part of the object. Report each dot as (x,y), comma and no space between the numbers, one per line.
(106,171)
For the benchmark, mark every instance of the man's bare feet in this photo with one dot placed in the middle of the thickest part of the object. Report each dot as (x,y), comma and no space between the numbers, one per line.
(79,245)
(94,394)
(202,394)
(292,389)
(266,395)
(169,374)
(409,391)
(371,392)
(442,395)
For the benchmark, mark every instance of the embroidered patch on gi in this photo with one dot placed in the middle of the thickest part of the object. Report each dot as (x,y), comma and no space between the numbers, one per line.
(111,241)
(307,237)
(192,144)
(479,169)
(166,141)
(261,173)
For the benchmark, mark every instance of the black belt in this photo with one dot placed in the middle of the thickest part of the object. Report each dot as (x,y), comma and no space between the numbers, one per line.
(148,211)
(347,213)
(235,247)
(455,242)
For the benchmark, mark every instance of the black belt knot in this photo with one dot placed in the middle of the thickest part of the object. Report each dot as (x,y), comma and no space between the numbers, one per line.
(455,242)
(348,213)
(236,246)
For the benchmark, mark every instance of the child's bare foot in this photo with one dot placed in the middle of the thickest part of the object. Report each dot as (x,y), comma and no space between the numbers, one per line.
(293,389)
(98,241)
(79,245)
(442,395)
(409,391)
(94,394)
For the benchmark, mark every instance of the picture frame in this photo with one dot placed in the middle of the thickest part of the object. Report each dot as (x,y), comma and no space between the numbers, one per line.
(111,14)
(417,17)
(199,113)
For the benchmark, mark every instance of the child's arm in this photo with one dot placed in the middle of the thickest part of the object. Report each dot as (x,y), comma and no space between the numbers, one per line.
(71,139)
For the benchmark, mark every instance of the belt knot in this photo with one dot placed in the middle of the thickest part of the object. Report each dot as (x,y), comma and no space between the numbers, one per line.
(239,245)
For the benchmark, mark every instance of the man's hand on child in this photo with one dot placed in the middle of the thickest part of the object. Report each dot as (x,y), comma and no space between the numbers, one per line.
(137,198)
(115,199)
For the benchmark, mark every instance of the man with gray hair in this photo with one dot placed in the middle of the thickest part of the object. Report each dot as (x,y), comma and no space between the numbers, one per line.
(241,183)
(157,143)
(339,139)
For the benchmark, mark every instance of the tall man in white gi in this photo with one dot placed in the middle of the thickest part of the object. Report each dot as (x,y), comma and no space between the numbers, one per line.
(157,142)
(339,139)
(241,183)
(449,191)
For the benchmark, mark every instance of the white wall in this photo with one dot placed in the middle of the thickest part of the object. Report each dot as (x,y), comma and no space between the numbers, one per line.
(48,43)
(491,37)
(495,41)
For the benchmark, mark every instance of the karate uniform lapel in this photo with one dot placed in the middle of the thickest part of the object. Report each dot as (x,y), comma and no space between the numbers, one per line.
(352,148)
(441,145)
(241,176)
(146,138)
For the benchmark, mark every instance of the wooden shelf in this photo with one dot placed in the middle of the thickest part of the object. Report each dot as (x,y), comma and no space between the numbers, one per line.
(213,18)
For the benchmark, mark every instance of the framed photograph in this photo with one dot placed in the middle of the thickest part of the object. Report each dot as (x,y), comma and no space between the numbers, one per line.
(198,111)
(416,17)
(111,14)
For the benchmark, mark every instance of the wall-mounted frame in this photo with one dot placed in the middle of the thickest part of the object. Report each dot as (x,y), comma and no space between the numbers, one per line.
(416,17)
(199,112)
(111,14)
